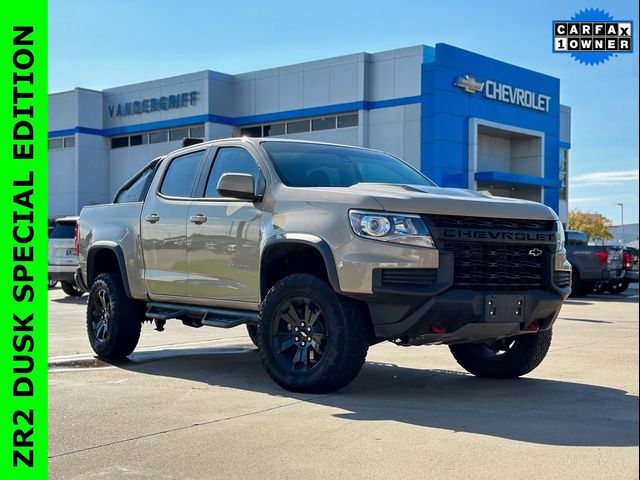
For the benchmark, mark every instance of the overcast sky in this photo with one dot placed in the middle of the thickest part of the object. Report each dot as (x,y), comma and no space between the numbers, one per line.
(99,44)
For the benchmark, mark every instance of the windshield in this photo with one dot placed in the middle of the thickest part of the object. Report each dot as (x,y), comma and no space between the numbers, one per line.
(317,165)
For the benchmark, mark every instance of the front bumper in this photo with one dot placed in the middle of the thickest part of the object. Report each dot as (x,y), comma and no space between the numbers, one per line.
(463,316)
(441,313)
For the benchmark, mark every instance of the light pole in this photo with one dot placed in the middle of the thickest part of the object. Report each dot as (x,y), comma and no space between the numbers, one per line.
(621,222)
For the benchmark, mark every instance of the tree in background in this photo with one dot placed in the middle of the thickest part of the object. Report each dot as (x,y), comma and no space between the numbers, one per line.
(594,225)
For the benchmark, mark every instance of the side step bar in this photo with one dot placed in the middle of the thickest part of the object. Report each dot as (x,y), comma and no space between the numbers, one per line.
(212,317)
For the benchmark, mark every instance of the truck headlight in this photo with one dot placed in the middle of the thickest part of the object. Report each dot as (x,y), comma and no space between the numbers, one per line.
(559,236)
(391,227)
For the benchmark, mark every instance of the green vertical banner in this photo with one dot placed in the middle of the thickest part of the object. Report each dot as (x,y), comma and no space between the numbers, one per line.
(23,240)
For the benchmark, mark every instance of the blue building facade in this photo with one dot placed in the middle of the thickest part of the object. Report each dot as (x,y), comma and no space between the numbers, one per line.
(453,117)
(464,119)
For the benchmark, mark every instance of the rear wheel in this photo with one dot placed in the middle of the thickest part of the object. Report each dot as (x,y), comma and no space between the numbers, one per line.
(618,287)
(52,283)
(71,289)
(506,358)
(310,338)
(114,320)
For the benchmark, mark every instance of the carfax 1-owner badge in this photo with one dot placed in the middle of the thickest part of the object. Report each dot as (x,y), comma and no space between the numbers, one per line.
(592,36)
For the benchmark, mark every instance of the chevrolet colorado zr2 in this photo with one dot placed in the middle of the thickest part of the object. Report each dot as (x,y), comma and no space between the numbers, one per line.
(322,251)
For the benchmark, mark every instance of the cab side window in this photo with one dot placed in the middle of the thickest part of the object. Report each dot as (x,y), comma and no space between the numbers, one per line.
(229,160)
(138,189)
(181,174)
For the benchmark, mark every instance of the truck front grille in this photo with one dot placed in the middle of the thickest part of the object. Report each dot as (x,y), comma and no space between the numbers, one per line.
(485,223)
(496,266)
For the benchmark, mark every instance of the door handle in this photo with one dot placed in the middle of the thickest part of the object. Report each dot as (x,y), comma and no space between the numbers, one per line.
(152,218)
(198,219)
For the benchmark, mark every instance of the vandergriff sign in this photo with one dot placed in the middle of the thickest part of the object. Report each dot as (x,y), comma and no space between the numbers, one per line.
(149,105)
(503,92)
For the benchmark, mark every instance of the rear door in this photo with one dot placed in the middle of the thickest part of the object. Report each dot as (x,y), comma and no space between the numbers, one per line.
(163,226)
(223,235)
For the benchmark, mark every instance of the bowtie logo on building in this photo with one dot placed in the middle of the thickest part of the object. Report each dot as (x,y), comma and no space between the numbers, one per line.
(469,84)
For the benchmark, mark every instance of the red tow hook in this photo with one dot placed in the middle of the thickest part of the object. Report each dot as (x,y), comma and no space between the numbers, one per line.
(438,329)
(534,327)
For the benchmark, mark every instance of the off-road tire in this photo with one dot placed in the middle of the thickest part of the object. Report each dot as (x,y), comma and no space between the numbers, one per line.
(124,322)
(252,331)
(71,289)
(526,353)
(347,337)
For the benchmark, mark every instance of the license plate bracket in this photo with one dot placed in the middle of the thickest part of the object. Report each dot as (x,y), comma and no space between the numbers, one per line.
(504,308)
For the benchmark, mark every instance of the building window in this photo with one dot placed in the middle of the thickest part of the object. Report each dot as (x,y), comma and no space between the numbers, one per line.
(178,134)
(196,132)
(55,143)
(135,140)
(251,131)
(158,137)
(323,123)
(61,142)
(299,126)
(119,142)
(344,120)
(349,120)
(273,129)
(563,172)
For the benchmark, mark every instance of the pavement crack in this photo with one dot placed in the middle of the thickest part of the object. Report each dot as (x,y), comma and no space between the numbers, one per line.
(176,429)
(242,415)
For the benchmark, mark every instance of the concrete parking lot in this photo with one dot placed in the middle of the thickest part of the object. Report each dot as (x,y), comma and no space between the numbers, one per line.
(196,404)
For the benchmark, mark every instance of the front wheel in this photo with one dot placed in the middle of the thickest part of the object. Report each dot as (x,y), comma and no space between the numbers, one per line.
(506,358)
(310,338)
(114,320)
(252,331)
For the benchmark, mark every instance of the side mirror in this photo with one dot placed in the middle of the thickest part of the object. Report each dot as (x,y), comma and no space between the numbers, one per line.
(238,185)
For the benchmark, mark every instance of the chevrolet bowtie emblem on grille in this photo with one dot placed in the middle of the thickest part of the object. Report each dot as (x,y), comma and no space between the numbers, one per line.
(469,84)
(535,252)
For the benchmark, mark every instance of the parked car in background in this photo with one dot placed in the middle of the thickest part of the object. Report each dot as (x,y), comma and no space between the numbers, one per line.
(63,258)
(630,271)
(593,265)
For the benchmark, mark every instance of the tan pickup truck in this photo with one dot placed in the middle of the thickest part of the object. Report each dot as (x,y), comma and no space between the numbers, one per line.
(322,251)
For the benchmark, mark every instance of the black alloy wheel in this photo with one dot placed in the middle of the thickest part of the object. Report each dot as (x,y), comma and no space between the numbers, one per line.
(101,315)
(299,336)
(310,338)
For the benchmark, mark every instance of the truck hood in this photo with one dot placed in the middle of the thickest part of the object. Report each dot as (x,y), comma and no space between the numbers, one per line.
(451,201)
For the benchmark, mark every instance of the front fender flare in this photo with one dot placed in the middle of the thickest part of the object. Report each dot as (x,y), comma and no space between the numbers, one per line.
(305,239)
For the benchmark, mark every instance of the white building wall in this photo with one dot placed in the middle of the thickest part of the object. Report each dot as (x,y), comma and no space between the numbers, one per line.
(396,130)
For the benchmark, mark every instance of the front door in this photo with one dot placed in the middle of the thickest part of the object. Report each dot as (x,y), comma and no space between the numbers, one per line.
(164,227)
(223,236)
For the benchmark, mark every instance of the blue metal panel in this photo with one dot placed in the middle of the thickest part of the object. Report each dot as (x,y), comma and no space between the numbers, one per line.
(505,177)
(446,110)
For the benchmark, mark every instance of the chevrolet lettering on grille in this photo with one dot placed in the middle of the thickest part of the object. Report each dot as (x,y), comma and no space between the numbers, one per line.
(496,235)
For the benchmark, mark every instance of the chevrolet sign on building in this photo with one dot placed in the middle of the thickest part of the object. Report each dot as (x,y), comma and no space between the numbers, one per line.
(463,119)
(505,93)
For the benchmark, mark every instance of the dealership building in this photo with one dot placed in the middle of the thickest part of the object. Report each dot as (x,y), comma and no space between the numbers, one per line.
(463,119)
